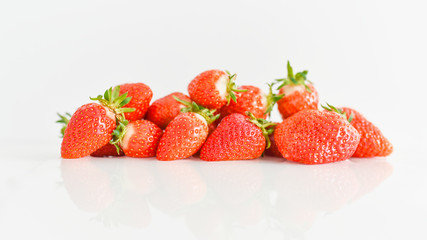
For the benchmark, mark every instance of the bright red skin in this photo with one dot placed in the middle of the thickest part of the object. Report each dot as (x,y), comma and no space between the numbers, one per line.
(235,138)
(372,141)
(107,150)
(165,109)
(182,138)
(203,91)
(88,130)
(273,150)
(298,101)
(141,96)
(144,140)
(315,137)
(252,100)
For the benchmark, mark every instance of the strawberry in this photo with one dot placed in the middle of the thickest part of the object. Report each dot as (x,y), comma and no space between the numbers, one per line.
(315,137)
(252,100)
(165,109)
(299,93)
(105,151)
(141,96)
(273,150)
(372,141)
(237,137)
(213,89)
(108,150)
(186,133)
(91,126)
(138,139)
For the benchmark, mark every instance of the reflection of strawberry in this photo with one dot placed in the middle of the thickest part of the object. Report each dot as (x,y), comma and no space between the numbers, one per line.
(319,188)
(138,177)
(234,182)
(213,225)
(372,141)
(299,93)
(182,182)
(88,186)
(164,110)
(213,89)
(370,173)
(315,137)
(141,96)
(129,210)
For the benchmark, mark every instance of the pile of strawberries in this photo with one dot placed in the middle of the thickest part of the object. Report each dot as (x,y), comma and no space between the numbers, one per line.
(220,121)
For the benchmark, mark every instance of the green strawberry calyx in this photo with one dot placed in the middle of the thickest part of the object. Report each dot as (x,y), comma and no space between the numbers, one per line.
(208,114)
(63,119)
(232,88)
(115,102)
(264,125)
(272,98)
(299,78)
(331,108)
(118,134)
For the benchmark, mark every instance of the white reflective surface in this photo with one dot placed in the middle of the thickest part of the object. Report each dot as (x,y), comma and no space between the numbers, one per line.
(190,199)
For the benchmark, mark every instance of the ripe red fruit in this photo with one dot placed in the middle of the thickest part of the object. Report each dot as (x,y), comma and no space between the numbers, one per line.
(299,93)
(108,150)
(183,137)
(252,100)
(89,129)
(105,151)
(273,150)
(91,126)
(186,133)
(141,96)
(315,137)
(372,142)
(213,89)
(236,137)
(165,109)
(138,139)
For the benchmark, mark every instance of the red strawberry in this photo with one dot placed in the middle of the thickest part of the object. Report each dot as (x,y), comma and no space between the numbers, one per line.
(139,138)
(186,133)
(213,89)
(105,151)
(91,126)
(108,150)
(273,150)
(299,93)
(252,100)
(372,141)
(315,137)
(141,96)
(165,109)
(236,137)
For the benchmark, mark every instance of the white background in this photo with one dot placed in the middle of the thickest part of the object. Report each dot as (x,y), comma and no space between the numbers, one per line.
(368,54)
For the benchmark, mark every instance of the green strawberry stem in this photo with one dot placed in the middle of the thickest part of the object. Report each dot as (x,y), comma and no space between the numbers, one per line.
(119,134)
(263,125)
(298,79)
(272,98)
(194,107)
(115,102)
(64,119)
(232,88)
(339,111)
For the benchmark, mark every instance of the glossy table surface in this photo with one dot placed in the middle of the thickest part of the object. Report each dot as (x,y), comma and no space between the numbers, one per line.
(268,198)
